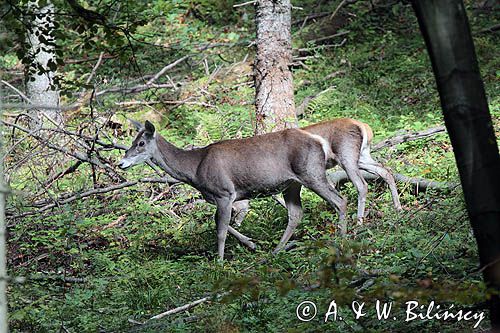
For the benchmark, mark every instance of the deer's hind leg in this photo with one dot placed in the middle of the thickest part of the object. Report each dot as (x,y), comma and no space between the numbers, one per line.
(366,162)
(348,158)
(240,210)
(294,207)
(247,241)
(318,183)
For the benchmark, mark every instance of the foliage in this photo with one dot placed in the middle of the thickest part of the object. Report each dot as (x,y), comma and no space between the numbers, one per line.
(145,249)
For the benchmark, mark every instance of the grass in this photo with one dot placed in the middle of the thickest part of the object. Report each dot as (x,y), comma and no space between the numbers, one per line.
(140,254)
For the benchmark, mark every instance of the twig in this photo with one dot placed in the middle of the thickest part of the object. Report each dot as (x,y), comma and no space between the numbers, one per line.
(61,174)
(334,74)
(323,46)
(19,92)
(338,34)
(302,21)
(67,279)
(132,103)
(436,244)
(84,137)
(305,103)
(79,61)
(166,68)
(94,69)
(341,4)
(252,2)
(24,279)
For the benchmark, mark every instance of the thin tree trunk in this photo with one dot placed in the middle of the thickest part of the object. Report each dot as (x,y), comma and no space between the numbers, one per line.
(275,106)
(4,325)
(446,31)
(40,39)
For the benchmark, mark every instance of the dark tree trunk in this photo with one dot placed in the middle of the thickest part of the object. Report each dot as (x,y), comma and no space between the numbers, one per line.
(446,31)
(275,107)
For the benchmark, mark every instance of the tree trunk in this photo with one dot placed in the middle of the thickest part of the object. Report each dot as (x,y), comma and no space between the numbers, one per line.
(4,190)
(275,107)
(40,73)
(446,31)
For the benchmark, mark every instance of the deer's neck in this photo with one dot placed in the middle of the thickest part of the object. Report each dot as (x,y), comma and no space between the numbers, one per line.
(178,163)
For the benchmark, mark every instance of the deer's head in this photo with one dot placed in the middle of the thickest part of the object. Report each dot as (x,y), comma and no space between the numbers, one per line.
(143,146)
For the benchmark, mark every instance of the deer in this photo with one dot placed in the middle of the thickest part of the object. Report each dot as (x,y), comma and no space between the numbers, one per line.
(230,172)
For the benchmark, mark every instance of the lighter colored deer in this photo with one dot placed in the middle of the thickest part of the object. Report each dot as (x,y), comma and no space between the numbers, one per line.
(230,171)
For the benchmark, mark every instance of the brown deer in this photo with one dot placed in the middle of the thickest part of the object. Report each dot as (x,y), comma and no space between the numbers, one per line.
(231,171)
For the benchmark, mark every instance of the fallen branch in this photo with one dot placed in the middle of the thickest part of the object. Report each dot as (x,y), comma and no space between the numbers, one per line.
(91,192)
(408,137)
(493,28)
(320,47)
(187,306)
(340,178)
(135,89)
(24,279)
(79,156)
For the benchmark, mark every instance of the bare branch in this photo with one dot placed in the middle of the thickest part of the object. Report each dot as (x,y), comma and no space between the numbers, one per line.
(19,92)
(252,2)
(98,63)
(74,154)
(82,195)
(165,69)
(408,137)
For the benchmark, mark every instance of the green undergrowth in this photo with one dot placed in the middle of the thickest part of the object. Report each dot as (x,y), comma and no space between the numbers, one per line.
(109,262)
(139,258)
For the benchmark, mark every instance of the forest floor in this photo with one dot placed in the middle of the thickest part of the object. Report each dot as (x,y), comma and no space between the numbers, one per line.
(110,262)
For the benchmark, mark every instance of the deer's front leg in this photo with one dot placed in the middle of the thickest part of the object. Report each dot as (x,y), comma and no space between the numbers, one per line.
(222,219)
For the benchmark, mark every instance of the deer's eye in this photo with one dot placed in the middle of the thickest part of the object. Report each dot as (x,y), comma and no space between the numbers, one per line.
(141,143)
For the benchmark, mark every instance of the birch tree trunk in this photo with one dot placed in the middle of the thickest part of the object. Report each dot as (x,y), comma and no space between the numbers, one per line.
(274,101)
(40,73)
(446,31)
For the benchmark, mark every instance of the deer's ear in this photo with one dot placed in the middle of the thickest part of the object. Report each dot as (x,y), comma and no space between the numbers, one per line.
(137,125)
(149,128)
